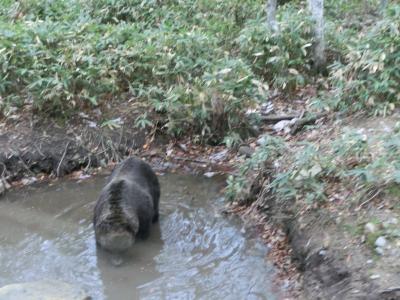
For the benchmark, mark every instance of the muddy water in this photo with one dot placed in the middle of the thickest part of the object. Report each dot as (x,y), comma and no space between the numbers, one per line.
(193,253)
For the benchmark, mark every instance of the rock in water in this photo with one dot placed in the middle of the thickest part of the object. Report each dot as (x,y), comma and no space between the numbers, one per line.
(246,151)
(370,228)
(42,290)
(381,242)
(4,186)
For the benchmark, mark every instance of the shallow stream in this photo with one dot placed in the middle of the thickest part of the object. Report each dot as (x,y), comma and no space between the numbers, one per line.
(192,253)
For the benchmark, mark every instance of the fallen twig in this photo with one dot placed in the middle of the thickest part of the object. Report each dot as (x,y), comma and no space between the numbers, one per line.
(299,124)
(62,158)
(22,162)
(38,149)
(275,119)
(390,290)
(4,169)
(120,137)
(369,199)
(199,161)
(88,164)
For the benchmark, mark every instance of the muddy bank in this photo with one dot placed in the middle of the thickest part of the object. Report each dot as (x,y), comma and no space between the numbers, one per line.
(51,149)
(334,263)
(326,272)
(34,147)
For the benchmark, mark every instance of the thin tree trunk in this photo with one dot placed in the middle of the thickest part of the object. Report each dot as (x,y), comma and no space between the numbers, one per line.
(317,11)
(271,15)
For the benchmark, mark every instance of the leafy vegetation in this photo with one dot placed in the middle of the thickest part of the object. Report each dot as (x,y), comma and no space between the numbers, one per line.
(367,77)
(282,58)
(270,149)
(353,161)
(199,64)
(173,56)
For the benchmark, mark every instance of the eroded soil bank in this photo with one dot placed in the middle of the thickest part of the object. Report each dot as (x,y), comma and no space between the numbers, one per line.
(42,147)
(347,246)
(33,148)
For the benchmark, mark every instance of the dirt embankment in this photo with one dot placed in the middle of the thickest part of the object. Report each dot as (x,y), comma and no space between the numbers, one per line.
(332,265)
(27,151)
(33,148)
(344,249)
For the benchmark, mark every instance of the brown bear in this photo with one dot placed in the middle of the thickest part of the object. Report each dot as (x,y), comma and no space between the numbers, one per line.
(127,205)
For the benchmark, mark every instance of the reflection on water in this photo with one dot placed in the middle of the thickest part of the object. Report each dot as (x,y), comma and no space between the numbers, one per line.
(192,253)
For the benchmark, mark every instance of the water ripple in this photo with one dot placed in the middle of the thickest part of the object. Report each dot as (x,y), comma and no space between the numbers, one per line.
(193,253)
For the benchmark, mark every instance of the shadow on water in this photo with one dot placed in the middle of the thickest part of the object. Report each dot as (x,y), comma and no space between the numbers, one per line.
(192,253)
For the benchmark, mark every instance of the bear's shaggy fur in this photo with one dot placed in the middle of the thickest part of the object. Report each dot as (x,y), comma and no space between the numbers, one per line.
(127,205)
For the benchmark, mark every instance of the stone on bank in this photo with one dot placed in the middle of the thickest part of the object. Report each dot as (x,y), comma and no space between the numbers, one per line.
(42,290)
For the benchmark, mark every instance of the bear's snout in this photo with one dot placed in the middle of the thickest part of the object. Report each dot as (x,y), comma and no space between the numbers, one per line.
(116,241)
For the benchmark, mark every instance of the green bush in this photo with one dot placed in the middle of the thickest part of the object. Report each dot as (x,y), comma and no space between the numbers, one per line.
(41,65)
(271,149)
(283,58)
(310,173)
(213,104)
(369,76)
(173,56)
(147,12)
(200,64)
(40,10)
